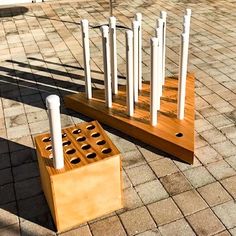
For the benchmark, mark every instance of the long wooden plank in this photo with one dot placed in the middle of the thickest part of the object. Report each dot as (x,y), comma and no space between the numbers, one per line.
(171,135)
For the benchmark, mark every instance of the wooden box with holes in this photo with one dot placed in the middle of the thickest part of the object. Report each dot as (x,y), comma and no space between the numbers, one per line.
(90,184)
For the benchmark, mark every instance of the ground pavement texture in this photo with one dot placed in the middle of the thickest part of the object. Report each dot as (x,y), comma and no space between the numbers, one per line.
(41,54)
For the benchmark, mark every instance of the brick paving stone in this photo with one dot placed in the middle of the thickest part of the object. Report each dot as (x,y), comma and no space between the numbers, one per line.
(232,161)
(224,233)
(219,121)
(22,156)
(12,230)
(164,211)
(137,221)
(140,174)
(8,215)
(226,213)
(226,148)
(213,136)
(230,186)
(207,154)
(233,231)
(221,169)
(189,202)
(18,131)
(229,132)
(132,159)
(185,166)
(202,226)
(175,183)
(202,125)
(214,194)
(107,227)
(163,167)
(83,231)
(152,232)
(4,161)
(6,176)
(7,193)
(198,176)
(177,228)
(25,171)
(131,199)
(28,188)
(150,154)
(151,191)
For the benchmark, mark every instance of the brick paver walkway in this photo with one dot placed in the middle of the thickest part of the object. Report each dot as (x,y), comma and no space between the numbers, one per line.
(41,54)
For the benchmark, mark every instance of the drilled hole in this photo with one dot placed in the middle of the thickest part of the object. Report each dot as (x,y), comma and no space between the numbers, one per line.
(75,160)
(76,131)
(66,143)
(63,135)
(101,142)
(179,135)
(95,135)
(106,150)
(86,146)
(70,151)
(90,127)
(48,139)
(91,155)
(81,139)
(49,147)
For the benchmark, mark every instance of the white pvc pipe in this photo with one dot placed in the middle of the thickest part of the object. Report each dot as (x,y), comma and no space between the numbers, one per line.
(138,17)
(163,16)
(86,56)
(106,65)
(129,72)
(154,82)
(113,54)
(135,27)
(53,106)
(182,76)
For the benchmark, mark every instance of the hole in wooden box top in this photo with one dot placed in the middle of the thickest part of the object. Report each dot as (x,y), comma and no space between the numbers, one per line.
(75,160)
(90,127)
(91,155)
(95,134)
(46,139)
(80,139)
(70,151)
(66,143)
(49,148)
(179,135)
(86,146)
(106,150)
(101,142)
(63,135)
(76,131)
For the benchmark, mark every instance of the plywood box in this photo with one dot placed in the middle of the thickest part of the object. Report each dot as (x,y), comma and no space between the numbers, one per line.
(90,184)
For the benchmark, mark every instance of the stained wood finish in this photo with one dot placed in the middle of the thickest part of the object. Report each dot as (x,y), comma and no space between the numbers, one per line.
(82,191)
(165,136)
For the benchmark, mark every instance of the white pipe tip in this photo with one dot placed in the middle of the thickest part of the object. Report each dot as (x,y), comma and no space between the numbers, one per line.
(163,15)
(84,22)
(138,16)
(112,20)
(104,30)
(188,12)
(52,102)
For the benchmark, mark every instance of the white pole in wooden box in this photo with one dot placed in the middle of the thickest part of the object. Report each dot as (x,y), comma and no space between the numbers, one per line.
(86,56)
(163,16)
(138,17)
(135,26)
(53,106)
(129,72)
(113,54)
(154,96)
(106,65)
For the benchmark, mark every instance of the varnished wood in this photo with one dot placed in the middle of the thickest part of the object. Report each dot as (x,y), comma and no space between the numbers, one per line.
(164,135)
(86,190)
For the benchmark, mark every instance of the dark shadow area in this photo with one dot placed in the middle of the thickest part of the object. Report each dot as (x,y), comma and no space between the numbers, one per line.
(12,11)
(21,192)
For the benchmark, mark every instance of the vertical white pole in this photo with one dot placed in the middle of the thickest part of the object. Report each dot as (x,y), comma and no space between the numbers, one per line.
(86,55)
(154,96)
(163,17)
(182,75)
(113,54)
(129,72)
(138,17)
(53,106)
(106,65)
(136,59)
